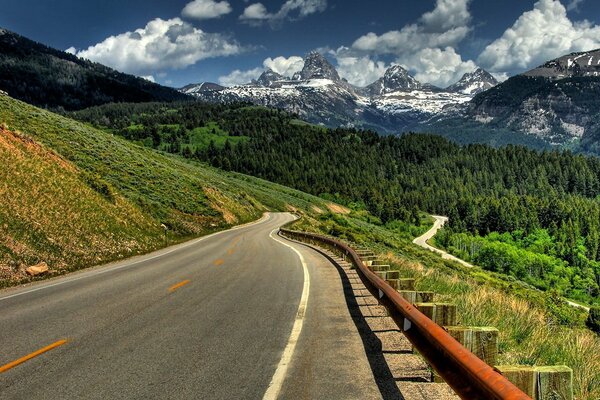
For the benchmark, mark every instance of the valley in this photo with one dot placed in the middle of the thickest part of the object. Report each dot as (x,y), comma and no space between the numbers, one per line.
(403,212)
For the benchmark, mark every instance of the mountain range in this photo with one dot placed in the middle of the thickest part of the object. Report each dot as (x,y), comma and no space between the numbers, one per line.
(394,103)
(555,104)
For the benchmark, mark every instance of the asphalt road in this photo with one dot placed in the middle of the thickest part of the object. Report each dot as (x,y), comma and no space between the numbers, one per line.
(207,319)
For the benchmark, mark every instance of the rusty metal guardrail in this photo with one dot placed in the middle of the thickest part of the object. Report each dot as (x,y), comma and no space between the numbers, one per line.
(469,377)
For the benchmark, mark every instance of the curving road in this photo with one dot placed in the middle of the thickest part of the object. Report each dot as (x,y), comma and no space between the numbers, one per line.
(439,222)
(207,319)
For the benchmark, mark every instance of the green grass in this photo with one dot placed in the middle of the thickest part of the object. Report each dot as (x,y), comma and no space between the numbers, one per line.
(202,136)
(75,196)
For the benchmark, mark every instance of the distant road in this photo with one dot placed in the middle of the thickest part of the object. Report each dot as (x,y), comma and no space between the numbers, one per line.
(437,225)
(208,319)
(422,240)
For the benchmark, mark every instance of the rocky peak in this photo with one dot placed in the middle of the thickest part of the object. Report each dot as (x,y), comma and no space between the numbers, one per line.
(395,79)
(571,65)
(317,67)
(474,82)
(269,78)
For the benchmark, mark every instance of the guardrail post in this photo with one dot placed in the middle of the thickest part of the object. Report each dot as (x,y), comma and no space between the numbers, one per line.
(443,314)
(413,296)
(541,383)
(480,340)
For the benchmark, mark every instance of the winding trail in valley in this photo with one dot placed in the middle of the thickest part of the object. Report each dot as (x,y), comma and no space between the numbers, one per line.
(439,222)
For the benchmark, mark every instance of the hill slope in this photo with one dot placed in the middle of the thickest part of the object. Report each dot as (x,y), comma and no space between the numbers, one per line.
(74,196)
(51,78)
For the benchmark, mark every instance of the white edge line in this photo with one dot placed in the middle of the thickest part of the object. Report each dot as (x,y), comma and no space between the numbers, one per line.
(276,383)
(178,247)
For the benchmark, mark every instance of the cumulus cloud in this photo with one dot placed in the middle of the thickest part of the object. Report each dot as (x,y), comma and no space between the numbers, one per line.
(284,66)
(447,15)
(238,77)
(256,13)
(281,65)
(440,66)
(359,70)
(148,78)
(71,50)
(427,47)
(206,9)
(161,44)
(538,35)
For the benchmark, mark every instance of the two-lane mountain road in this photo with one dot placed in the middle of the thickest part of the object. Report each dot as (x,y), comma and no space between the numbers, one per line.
(235,315)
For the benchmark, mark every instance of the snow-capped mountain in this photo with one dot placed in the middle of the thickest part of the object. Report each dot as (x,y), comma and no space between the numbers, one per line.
(555,104)
(317,67)
(568,66)
(270,78)
(394,103)
(395,79)
(473,83)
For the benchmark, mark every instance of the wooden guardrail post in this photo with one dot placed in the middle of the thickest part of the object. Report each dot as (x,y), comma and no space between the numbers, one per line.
(480,340)
(413,296)
(541,383)
(443,314)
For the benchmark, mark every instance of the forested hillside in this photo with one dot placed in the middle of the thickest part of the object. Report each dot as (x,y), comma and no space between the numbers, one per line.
(50,78)
(481,189)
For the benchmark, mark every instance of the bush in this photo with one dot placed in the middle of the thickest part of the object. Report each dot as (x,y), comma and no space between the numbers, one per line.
(593,320)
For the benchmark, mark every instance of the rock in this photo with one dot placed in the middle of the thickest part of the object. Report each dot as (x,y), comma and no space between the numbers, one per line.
(37,269)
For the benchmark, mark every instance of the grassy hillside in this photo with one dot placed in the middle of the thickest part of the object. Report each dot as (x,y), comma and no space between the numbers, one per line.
(74,196)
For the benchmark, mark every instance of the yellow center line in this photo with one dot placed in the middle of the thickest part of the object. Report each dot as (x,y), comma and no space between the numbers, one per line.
(218,261)
(178,285)
(231,251)
(36,353)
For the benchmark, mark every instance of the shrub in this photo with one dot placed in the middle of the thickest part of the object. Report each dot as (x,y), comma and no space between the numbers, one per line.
(593,320)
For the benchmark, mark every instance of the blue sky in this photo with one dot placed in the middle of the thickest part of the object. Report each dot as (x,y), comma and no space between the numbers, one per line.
(232,41)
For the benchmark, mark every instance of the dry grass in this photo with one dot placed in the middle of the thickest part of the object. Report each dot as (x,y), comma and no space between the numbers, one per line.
(528,334)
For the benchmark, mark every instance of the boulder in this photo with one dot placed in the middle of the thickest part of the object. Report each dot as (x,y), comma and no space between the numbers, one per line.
(37,269)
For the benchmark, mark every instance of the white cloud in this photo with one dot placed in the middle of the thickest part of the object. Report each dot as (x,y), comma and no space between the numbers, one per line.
(426,47)
(161,44)
(544,33)
(148,78)
(284,66)
(257,13)
(441,67)
(71,50)
(447,14)
(358,70)
(206,9)
(281,65)
(239,77)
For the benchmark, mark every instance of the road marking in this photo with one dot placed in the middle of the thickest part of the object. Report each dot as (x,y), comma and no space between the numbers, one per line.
(274,388)
(231,251)
(218,261)
(36,353)
(178,285)
(88,274)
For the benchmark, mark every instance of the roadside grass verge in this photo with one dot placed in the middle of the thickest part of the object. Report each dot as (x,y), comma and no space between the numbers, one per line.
(535,328)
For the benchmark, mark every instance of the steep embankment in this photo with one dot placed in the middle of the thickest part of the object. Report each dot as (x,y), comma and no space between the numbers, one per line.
(73,196)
